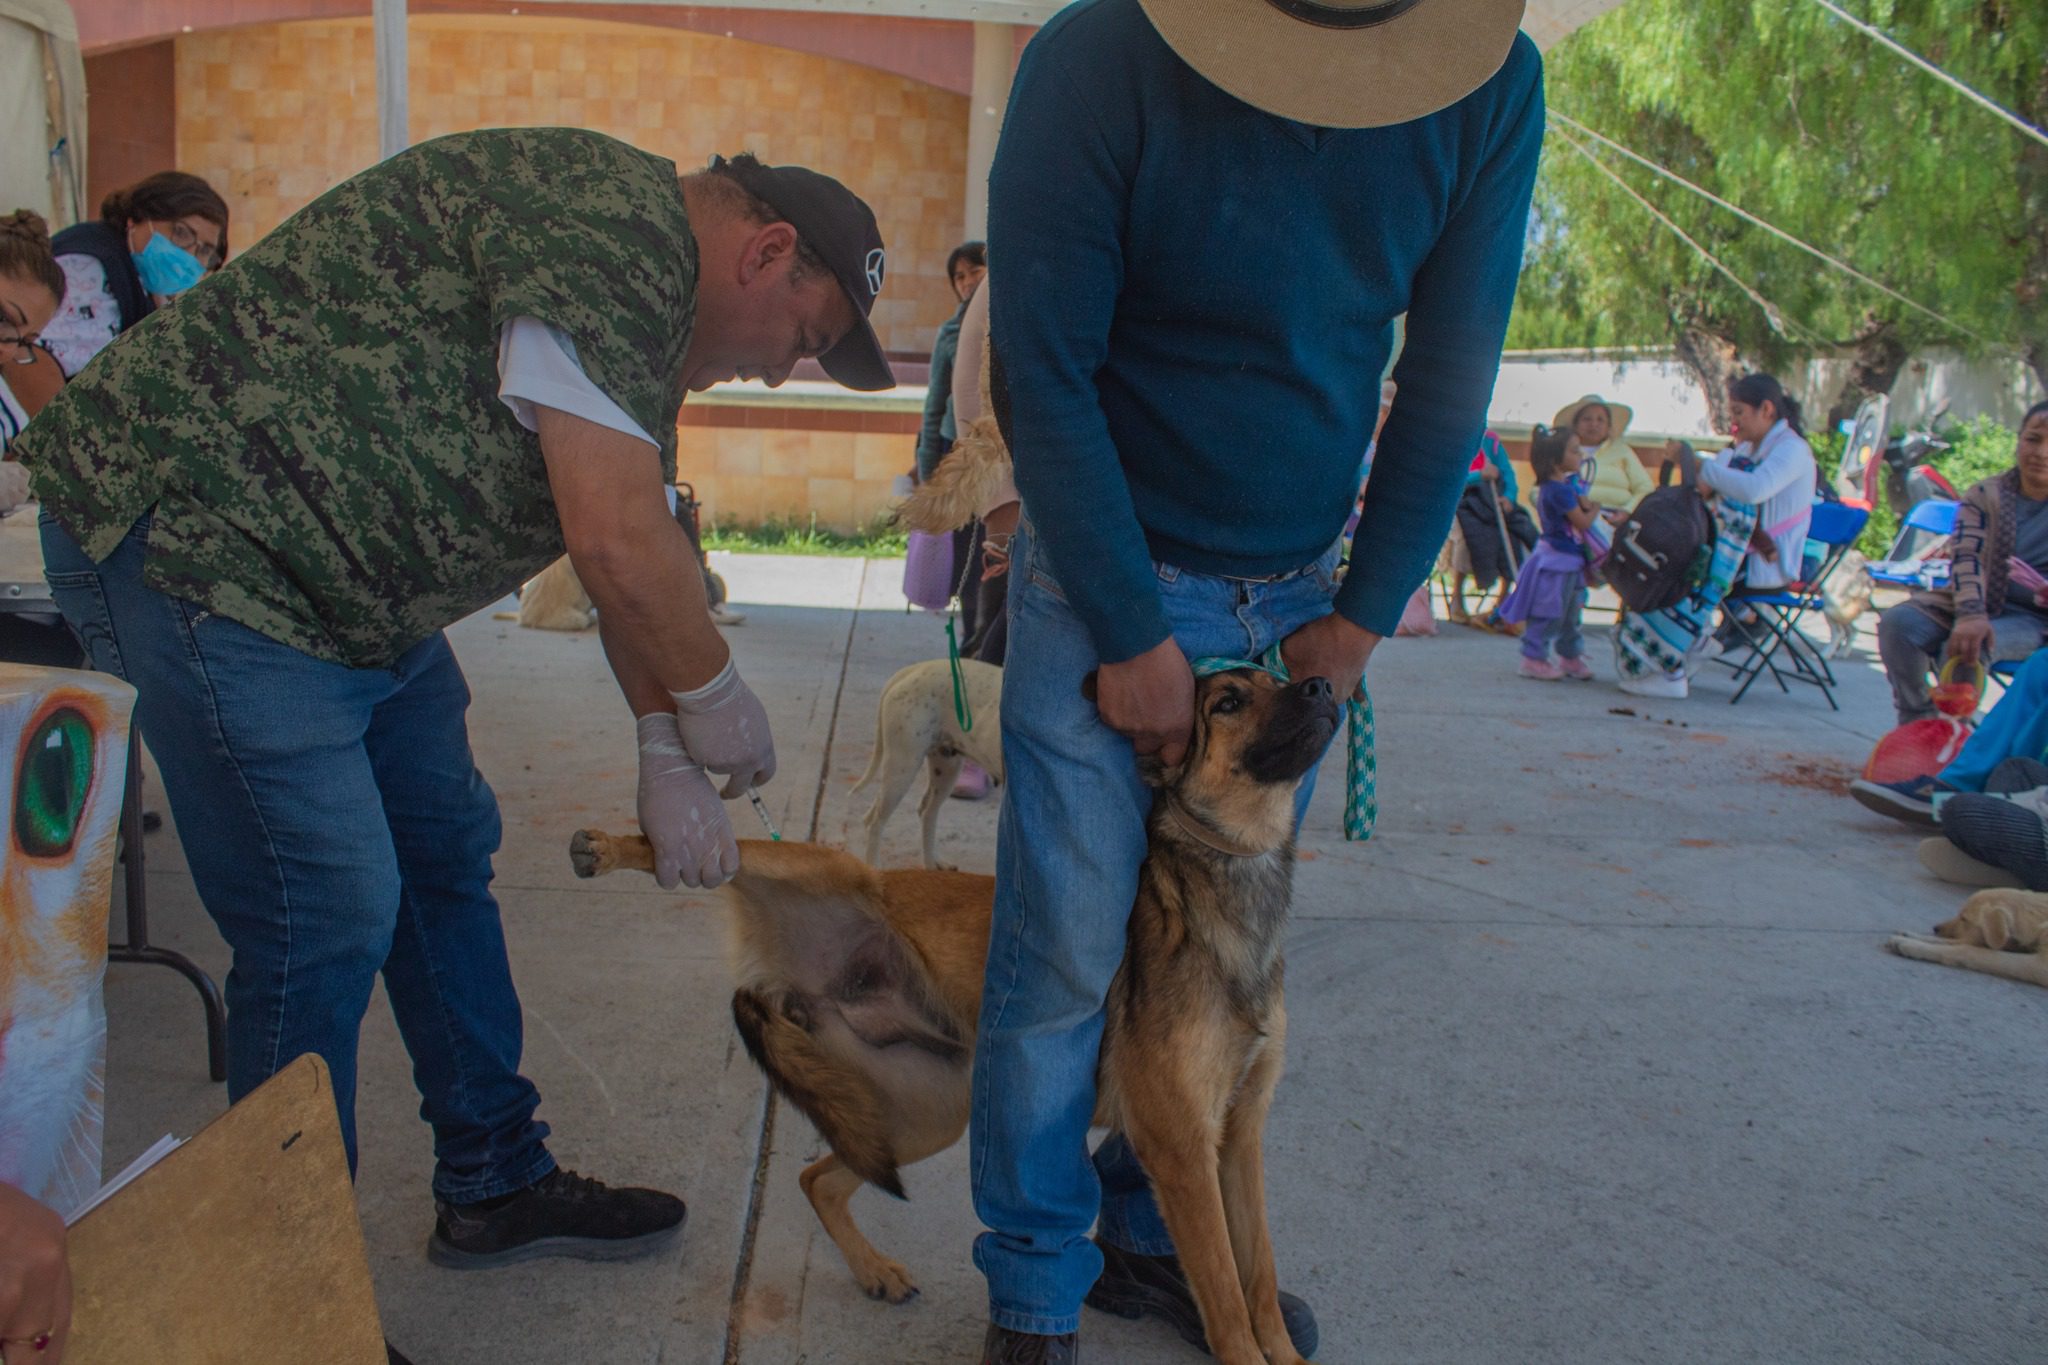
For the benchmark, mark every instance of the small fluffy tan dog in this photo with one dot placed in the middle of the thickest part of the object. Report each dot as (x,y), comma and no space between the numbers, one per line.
(553,599)
(1999,931)
(916,728)
(1845,598)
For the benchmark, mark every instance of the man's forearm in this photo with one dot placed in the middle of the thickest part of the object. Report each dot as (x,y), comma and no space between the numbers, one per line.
(643,690)
(652,617)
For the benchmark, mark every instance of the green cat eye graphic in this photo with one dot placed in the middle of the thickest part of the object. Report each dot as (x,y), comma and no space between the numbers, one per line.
(50,789)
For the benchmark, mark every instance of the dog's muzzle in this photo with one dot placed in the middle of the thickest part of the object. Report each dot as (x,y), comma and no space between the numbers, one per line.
(1303,723)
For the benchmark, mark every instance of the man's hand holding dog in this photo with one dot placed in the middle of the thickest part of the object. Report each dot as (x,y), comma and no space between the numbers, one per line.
(1330,647)
(680,812)
(1150,700)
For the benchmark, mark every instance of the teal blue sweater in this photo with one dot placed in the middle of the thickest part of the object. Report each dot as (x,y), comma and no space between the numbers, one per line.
(1196,301)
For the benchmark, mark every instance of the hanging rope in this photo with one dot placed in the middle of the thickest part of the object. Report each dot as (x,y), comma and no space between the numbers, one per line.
(1778,232)
(1772,313)
(1878,35)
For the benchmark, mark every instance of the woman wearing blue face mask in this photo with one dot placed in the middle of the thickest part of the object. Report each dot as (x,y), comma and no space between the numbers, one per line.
(153,241)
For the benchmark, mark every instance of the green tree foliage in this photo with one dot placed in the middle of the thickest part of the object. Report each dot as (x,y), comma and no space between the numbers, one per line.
(1783,109)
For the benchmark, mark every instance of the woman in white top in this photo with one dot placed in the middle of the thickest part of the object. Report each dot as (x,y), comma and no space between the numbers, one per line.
(152,241)
(1771,466)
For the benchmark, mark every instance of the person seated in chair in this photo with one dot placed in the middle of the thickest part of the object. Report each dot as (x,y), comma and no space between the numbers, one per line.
(1614,476)
(1770,467)
(1478,547)
(1983,615)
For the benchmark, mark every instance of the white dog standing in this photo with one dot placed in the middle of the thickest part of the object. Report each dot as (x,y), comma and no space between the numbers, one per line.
(916,727)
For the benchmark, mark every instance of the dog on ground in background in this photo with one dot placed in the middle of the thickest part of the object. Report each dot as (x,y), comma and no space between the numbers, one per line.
(553,599)
(2000,931)
(917,727)
(860,995)
(1843,600)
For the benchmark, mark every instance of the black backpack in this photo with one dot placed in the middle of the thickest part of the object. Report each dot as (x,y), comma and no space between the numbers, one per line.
(1663,548)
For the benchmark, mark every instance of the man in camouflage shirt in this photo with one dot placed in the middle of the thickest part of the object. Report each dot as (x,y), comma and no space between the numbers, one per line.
(261,507)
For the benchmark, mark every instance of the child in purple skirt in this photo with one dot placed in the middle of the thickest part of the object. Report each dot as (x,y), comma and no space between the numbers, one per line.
(1550,592)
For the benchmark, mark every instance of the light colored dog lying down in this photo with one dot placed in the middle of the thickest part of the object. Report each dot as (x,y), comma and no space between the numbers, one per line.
(2000,931)
(916,727)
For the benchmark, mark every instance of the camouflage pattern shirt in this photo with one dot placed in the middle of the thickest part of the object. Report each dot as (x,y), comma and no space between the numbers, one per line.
(318,426)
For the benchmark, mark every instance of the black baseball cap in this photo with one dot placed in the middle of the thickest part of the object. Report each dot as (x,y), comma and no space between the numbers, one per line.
(838,225)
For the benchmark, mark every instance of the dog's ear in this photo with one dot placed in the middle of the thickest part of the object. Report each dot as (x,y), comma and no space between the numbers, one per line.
(1994,925)
(1088,685)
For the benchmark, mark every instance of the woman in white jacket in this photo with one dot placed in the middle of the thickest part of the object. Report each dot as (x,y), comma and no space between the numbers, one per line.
(1765,485)
(1771,467)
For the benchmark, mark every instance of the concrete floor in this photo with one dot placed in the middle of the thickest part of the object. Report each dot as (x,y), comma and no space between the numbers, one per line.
(1595,1055)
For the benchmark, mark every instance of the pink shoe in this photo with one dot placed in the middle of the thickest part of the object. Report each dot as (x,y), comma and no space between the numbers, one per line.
(973,784)
(1575,669)
(1540,669)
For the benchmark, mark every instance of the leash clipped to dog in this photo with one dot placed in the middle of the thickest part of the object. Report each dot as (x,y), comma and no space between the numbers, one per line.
(962,712)
(1361,769)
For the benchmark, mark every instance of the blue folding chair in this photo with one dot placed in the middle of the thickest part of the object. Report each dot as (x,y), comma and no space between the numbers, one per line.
(1774,634)
(1903,567)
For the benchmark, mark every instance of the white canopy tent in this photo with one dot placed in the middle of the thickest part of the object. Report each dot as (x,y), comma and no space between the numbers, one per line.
(42,103)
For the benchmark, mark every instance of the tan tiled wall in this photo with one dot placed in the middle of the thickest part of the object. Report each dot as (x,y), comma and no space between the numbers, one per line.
(274,114)
(750,466)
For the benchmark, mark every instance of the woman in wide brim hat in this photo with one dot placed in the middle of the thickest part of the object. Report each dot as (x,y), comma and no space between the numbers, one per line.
(1342,63)
(1618,480)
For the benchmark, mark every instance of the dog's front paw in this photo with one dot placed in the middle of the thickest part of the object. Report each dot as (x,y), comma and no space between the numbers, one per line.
(887,1279)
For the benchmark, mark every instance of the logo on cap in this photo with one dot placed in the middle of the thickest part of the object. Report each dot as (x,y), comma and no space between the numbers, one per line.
(875,271)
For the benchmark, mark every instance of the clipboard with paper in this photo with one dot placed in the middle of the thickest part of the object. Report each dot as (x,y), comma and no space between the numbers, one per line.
(241,1244)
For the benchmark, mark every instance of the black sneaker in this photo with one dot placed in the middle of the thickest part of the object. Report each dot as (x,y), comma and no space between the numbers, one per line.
(1911,802)
(565,1214)
(393,1357)
(1004,1347)
(1132,1286)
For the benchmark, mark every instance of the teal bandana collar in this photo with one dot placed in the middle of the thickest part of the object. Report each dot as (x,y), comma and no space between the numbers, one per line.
(1361,770)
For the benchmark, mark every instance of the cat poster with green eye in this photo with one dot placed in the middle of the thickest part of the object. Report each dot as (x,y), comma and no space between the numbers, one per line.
(64,740)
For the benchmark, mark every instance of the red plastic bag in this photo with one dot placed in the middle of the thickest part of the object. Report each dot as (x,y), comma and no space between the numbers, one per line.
(1922,748)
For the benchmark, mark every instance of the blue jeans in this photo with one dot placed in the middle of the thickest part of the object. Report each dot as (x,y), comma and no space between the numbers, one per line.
(1909,641)
(1070,841)
(336,826)
(2017,727)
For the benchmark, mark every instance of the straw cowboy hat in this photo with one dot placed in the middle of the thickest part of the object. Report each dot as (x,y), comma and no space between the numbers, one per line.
(1619,415)
(1342,63)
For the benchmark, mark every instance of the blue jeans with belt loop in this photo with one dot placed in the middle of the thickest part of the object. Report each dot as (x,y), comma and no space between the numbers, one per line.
(1070,840)
(336,827)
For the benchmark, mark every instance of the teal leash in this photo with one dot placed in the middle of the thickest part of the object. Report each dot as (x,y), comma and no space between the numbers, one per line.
(1361,768)
(962,711)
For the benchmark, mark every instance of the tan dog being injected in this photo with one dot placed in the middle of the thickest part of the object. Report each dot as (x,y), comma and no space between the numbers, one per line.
(1999,931)
(917,727)
(859,994)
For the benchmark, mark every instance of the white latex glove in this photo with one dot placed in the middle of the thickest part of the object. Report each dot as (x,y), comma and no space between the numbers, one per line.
(13,484)
(680,812)
(725,729)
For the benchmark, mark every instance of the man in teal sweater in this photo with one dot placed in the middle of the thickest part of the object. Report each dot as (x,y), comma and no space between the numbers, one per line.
(1208,218)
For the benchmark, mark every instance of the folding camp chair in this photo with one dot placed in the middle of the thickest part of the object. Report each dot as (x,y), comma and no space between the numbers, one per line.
(1906,565)
(1778,645)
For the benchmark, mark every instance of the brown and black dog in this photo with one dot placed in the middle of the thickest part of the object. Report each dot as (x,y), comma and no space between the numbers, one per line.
(859,994)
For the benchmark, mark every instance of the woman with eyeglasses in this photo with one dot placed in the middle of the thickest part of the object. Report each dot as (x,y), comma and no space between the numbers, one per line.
(31,288)
(153,241)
